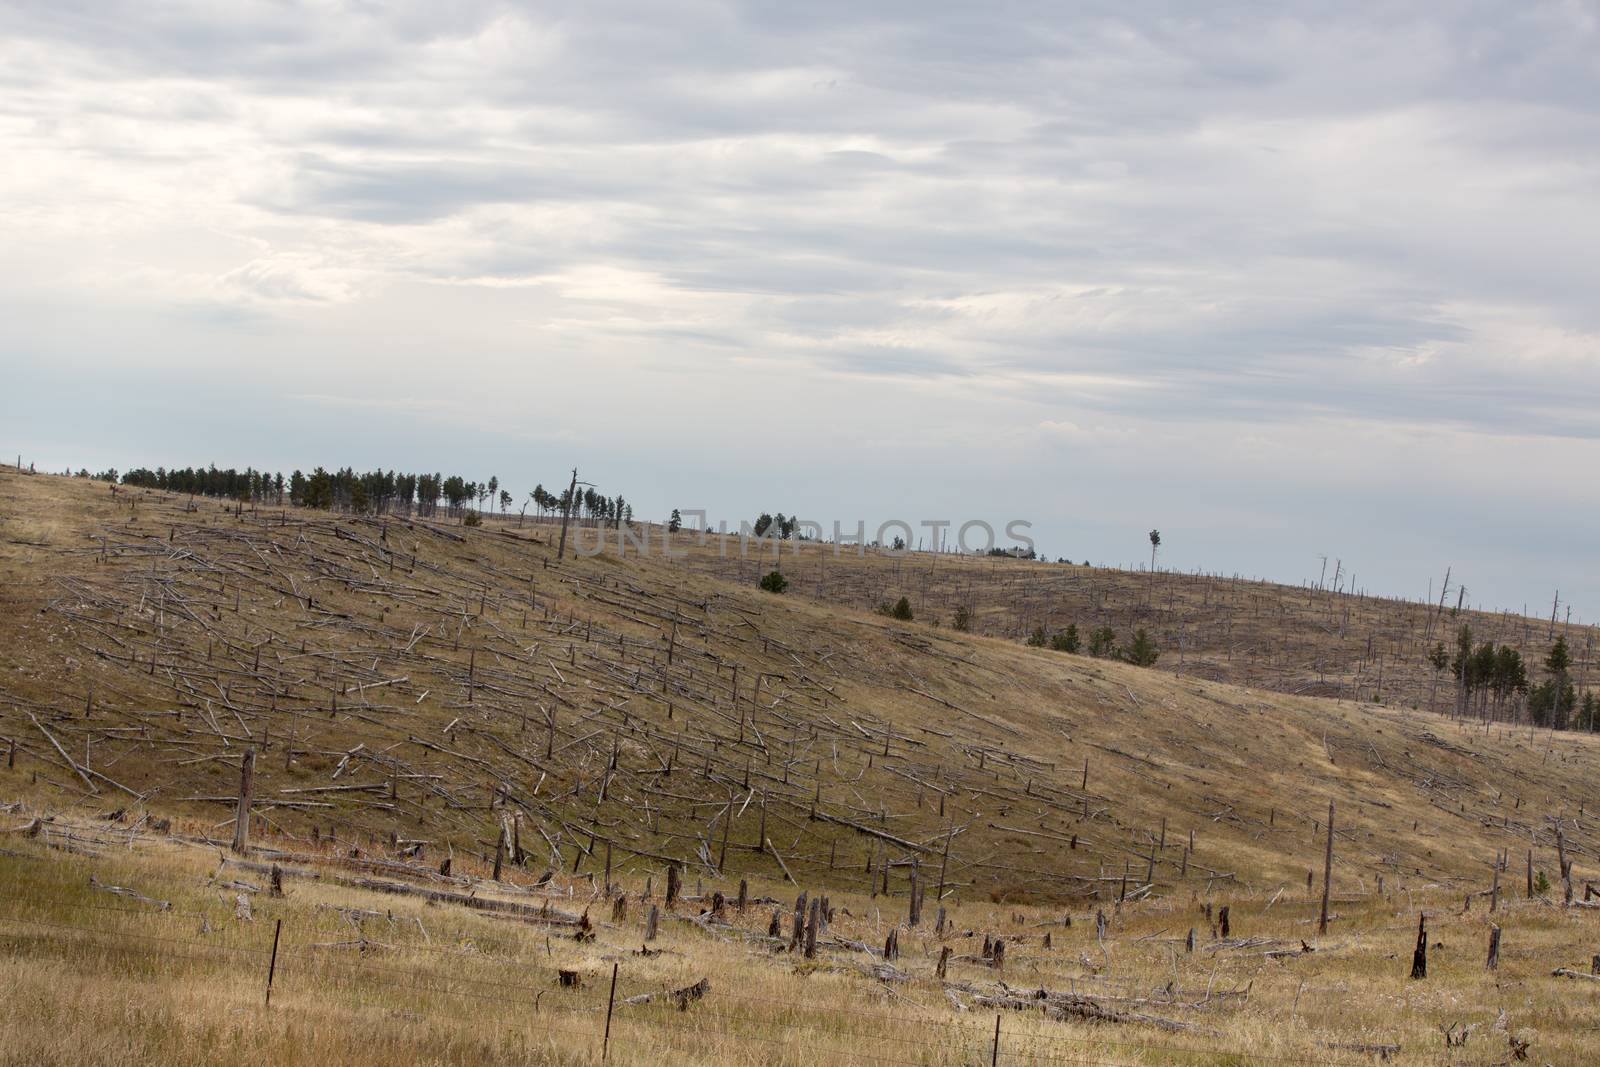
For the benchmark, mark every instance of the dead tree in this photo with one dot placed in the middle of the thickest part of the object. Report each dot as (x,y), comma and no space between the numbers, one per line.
(1327,875)
(241,816)
(1419,957)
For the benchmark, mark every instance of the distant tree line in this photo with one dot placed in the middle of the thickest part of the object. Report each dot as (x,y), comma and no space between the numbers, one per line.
(780,525)
(376,492)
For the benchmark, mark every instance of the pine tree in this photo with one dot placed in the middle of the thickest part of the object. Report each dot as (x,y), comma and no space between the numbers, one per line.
(1143,652)
(1066,641)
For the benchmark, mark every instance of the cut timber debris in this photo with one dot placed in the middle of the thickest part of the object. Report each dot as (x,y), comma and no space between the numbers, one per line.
(1566,972)
(159,905)
(681,997)
(1063,1006)
(1381,1051)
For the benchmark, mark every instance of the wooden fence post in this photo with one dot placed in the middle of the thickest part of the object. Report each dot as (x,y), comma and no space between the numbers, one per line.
(611,1001)
(272,967)
(1494,948)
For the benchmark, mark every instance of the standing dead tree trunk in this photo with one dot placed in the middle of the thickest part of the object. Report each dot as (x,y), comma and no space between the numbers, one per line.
(1327,875)
(241,815)
(1419,956)
(1566,866)
(566,514)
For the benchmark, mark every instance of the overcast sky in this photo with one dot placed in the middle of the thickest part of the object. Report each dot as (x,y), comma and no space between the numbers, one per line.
(1281,282)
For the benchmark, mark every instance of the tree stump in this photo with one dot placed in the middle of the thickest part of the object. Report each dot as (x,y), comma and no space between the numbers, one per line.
(673,883)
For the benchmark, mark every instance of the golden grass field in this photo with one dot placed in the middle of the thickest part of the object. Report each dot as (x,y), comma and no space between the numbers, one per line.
(409,687)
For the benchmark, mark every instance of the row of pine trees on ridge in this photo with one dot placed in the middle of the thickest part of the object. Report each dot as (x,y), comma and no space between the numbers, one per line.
(373,492)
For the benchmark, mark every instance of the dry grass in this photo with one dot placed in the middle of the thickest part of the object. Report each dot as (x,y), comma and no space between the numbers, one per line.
(93,977)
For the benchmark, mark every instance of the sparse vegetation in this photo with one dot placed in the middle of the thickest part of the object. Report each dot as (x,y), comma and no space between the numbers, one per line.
(900,609)
(1067,640)
(1142,651)
(406,687)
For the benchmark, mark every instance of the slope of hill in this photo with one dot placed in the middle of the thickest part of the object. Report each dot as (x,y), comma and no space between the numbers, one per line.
(1294,639)
(422,683)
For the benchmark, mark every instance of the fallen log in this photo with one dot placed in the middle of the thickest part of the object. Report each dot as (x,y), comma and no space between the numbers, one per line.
(1563,972)
(681,997)
(508,908)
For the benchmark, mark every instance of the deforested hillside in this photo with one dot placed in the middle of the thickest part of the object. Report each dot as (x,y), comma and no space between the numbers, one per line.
(1311,640)
(414,686)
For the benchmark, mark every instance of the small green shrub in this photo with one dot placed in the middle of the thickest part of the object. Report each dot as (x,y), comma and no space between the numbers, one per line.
(1067,641)
(901,609)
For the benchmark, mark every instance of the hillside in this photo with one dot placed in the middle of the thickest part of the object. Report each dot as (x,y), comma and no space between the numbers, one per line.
(426,679)
(1299,640)
(409,688)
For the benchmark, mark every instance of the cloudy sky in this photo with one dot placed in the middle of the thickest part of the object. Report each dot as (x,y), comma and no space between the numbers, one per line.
(1280,282)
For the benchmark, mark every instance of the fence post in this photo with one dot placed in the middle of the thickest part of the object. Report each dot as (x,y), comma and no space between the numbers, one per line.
(272,967)
(605,1043)
(994,1059)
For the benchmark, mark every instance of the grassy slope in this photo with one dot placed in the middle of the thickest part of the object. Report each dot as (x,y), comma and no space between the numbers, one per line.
(998,730)
(328,605)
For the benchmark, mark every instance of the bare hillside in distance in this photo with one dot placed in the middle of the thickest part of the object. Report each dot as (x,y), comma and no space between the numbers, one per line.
(1299,640)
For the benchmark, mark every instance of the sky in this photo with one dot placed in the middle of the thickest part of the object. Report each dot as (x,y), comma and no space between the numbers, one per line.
(1283,281)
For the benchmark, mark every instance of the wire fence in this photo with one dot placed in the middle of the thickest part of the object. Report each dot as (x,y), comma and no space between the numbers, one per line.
(585,1018)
